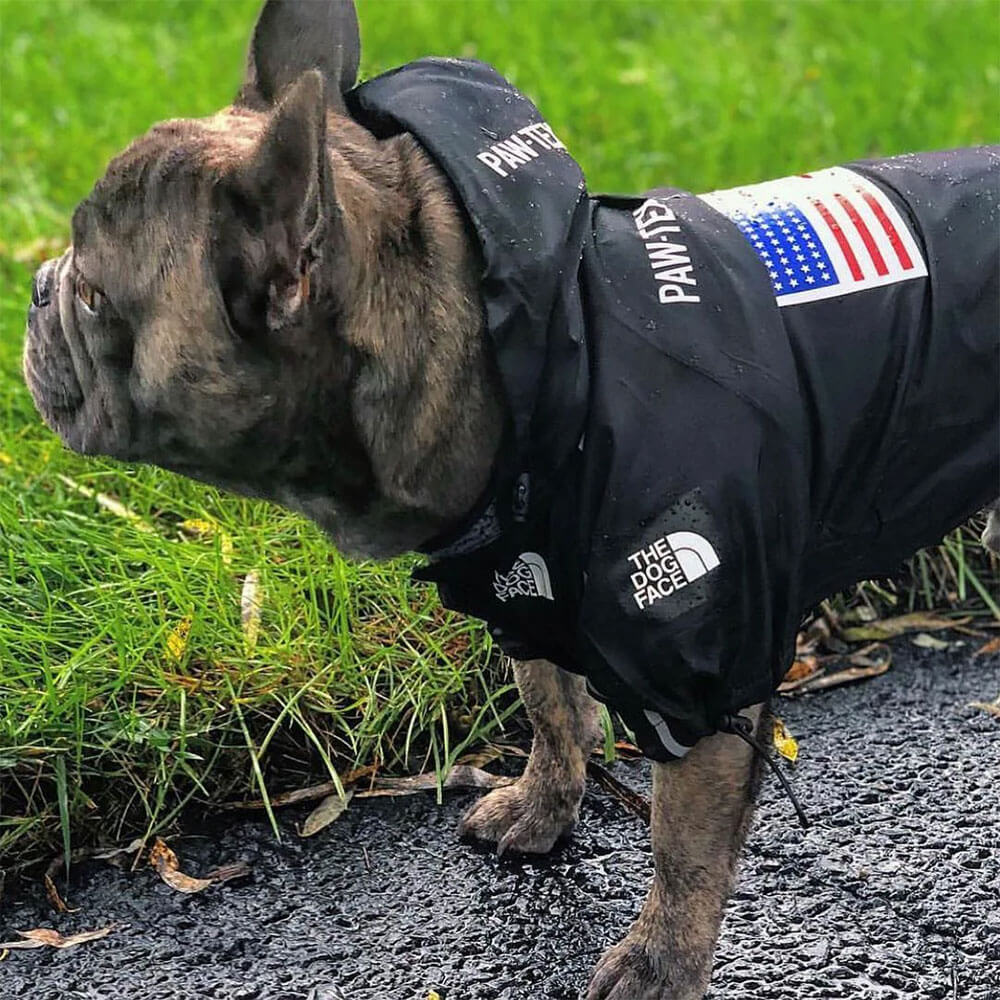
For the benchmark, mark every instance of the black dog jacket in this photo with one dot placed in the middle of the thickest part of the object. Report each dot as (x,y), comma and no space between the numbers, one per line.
(723,408)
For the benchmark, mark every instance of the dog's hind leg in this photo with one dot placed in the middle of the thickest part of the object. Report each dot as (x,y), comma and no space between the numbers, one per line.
(700,814)
(530,815)
(991,534)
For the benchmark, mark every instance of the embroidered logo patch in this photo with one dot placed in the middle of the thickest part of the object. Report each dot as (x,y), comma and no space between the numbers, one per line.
(528,577)
(823,234)
(670,563)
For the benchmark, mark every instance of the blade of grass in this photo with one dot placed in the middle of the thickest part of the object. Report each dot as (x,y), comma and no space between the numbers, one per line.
(254,759)
(62,796)
(987,597)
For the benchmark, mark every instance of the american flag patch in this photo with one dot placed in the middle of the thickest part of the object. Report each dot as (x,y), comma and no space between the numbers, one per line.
(823,234)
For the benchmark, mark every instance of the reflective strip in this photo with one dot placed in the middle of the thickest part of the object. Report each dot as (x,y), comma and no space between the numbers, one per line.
(666,737)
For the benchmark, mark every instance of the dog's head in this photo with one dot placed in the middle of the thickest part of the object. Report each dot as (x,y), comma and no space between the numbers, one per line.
(184,325)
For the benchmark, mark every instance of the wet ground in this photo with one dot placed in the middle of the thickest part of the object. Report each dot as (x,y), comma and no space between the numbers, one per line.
(894,893)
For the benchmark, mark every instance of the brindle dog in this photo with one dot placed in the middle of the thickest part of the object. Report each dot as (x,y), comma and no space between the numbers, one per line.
(274,301)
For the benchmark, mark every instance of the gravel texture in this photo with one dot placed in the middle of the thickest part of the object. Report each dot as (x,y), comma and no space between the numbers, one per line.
(893,893)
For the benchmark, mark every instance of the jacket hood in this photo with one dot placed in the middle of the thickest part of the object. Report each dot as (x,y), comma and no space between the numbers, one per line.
(525,200)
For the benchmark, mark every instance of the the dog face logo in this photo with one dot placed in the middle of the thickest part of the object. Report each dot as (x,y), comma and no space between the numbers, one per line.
(670,563)
(528,577)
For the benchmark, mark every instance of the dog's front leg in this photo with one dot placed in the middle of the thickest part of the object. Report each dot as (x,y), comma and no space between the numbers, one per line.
(531,814)
(700,813)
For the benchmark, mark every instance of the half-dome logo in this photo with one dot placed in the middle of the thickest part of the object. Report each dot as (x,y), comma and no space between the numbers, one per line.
(528,577)
(670,563)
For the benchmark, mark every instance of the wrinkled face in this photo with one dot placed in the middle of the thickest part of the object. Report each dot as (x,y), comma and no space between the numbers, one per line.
(130,349)
(177,328)
(190,324)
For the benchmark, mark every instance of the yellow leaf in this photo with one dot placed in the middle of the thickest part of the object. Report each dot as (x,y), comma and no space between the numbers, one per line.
(784,742)
(5,458)
(433,995)
(197,526)
(178,639)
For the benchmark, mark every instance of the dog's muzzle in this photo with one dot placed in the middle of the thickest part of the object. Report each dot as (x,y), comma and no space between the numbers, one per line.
(41,284)
(47,362)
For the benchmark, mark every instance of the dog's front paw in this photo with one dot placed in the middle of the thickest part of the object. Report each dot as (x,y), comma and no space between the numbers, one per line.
(626,972)
(635,970)
(522,817)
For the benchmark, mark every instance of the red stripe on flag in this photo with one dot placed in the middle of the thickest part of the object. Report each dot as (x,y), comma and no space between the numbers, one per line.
(865,233)
(845,247)
(888,228)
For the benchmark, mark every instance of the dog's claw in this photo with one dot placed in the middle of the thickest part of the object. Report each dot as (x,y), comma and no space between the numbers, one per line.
(518,819)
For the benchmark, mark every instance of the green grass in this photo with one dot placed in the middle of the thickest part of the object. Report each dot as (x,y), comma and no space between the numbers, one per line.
(102,727)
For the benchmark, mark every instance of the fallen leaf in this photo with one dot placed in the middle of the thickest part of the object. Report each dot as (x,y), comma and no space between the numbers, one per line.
(45,937)
(800,669)
(481,757)
(178,639)
(5,459)
(783,741)
(329,810)
(53,895)
(975,633)
(927,641)
(198,527)
(623,750)
(862,666)
(433,995)
(988,648)
(306,794)
(888,628)
(460,776)
(251,601)
(163,859)
(109,503)
(993,707)
(226,873)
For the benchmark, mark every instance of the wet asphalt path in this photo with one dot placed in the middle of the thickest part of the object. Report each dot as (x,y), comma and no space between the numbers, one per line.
(894,893)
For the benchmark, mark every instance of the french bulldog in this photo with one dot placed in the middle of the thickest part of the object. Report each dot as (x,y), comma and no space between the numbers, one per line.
(280,301)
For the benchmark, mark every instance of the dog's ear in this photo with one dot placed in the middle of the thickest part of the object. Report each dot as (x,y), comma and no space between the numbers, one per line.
(293,36)
(277,214)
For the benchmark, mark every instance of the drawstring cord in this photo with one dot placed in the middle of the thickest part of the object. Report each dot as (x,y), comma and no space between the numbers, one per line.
(741,726)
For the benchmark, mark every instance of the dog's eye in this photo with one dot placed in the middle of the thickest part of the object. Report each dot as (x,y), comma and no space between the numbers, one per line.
(87,294)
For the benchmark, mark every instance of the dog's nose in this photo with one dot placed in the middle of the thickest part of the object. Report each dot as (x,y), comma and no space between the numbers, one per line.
(41,285)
